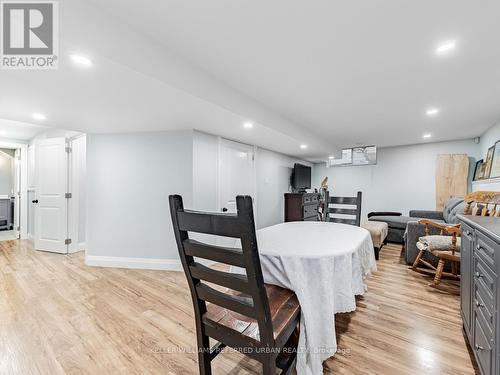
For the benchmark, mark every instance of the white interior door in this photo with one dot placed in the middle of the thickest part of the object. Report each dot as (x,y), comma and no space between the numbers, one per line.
(31,195)
(51,176)
(236,173)
(17,192)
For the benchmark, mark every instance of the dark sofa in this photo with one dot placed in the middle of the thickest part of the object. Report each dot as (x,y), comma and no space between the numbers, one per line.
(406,230)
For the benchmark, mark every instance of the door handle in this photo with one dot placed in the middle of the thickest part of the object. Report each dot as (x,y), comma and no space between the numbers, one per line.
(34,201)
(224,209)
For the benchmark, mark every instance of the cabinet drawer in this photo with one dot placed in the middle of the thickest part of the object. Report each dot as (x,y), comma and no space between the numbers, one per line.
(310,199)
(485,278)
(482,347)
(310,211)
(485,249)
(485,308)
(467,231)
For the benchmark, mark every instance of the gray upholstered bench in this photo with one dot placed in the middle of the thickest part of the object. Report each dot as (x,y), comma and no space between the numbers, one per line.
(378,230)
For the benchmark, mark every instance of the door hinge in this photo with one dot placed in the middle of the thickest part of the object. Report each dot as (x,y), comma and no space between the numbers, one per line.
(68,195)
(68,149)
(67,241)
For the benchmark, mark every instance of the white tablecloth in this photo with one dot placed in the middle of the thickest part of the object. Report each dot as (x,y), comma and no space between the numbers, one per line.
(325,264)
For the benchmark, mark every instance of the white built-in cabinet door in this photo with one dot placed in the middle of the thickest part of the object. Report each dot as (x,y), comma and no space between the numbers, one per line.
(236,173)
(51,180)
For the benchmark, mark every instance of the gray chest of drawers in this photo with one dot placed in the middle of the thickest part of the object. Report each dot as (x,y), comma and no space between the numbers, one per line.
(480,289)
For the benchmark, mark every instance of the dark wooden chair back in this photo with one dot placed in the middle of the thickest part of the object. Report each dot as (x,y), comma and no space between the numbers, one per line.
(350,216)
(251,301)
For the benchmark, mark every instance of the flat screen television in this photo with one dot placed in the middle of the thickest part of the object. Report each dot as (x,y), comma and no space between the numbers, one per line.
(301,177)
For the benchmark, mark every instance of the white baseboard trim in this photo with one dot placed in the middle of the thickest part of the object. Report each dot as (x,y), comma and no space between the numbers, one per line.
(134,263)
(82,246)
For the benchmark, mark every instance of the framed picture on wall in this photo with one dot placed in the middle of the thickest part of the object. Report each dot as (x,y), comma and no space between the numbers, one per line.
(477,170)
(488,162)
(495,164)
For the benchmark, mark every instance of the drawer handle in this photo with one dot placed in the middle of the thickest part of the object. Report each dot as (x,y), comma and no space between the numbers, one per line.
(479,304)
(479,347)
(478,275)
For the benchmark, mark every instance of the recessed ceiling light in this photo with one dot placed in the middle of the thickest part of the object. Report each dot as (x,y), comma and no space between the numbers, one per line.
(39,116)
(432,111)
(427,135)
(331,157)
(3,132)
(81,60)
(303,147)
(446,47)
(248,125)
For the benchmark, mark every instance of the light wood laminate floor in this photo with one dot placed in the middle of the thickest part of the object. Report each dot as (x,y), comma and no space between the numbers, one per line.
(59,316)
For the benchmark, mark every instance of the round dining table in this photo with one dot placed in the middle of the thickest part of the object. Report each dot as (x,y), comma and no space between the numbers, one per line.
(326,265)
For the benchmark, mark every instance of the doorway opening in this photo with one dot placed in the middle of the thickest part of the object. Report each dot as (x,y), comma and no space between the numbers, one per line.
(12,190)
(9,193)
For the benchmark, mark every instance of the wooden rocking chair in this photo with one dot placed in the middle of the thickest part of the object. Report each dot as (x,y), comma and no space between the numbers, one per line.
(479,203)
(449,254)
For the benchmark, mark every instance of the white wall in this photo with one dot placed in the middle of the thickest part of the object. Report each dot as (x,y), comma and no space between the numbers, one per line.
(273,171)
(205,164)
(488,139)
(129,179)
(403,179)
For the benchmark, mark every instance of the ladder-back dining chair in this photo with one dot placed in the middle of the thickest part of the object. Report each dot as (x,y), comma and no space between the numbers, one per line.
(342,214)
(257,319)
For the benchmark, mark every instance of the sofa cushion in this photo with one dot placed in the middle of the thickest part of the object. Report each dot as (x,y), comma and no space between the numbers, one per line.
(398,222)
(378,231)
(457,210)
(449,206)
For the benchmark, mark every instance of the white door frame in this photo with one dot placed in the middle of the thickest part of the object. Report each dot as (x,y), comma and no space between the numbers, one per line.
(74,208)
(23,222)
(220,142)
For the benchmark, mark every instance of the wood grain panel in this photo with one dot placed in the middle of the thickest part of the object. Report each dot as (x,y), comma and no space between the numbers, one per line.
(452,172)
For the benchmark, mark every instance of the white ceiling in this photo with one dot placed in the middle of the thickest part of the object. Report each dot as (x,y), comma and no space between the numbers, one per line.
(17,130)
(325,73)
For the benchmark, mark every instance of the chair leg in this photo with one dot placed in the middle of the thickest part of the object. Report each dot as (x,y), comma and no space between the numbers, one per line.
(377,251)
(204,355)
(269,365)
(439,273)
(417,259)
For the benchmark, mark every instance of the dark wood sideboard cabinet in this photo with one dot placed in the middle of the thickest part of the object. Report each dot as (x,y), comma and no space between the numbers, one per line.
(301,206)
(480,289)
